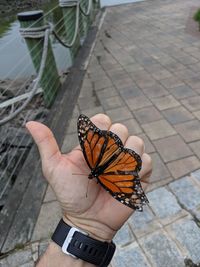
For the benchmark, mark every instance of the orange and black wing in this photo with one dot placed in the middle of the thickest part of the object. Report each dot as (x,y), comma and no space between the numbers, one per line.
(120,178)
(117,167)
(98,146)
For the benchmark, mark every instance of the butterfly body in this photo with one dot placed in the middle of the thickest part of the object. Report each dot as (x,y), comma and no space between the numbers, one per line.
(114,166)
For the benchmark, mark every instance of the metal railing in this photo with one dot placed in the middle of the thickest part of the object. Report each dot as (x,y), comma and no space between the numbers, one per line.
(33,96)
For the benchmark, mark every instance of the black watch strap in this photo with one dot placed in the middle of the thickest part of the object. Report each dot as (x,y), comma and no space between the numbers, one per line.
(79,245)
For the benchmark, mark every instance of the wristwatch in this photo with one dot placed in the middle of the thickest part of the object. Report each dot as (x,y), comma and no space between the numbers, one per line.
(78,244)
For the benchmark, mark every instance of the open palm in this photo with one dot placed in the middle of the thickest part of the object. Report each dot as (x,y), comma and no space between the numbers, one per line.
(85,204)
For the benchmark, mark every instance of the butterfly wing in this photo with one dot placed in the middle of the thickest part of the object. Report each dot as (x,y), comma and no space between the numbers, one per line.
(97,146)
(117,167)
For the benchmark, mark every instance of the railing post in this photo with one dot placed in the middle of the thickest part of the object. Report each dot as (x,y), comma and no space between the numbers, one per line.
(33,30)
(71,16)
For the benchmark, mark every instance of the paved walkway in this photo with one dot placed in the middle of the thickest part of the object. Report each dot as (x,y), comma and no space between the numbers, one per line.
(145,72)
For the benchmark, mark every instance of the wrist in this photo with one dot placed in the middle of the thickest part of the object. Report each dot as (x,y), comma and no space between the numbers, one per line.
(55,257)
(94,229)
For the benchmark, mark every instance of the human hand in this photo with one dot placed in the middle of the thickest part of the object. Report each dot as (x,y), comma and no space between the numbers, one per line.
(98,214)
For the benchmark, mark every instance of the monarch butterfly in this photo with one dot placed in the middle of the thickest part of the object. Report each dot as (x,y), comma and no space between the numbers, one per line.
(115,167)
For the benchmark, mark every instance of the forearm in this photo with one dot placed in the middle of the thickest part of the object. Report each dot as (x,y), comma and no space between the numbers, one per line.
(55,257)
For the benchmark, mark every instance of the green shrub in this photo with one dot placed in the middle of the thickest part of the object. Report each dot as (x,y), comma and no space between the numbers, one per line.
(197,17)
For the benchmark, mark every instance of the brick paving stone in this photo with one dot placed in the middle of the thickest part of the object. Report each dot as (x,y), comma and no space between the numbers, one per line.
(193,82)
(91,112)
(186,192)
(72,127)
(107,92)
(124,236)
(158,129)
(156,90)
(101,84)
(189,130)
(161,74)
(155,185)
(147,114)
(88,102)
(158,173)
(119,114)
(165,102)
(149,148)
(192,103)
(196,175)
(112,102)
(171,82)
(133,127)
(187,233)
(19,258)
(195,146)
(131,254)
(123,83)
(164,205)
(145,82)
(184,166)
(182,91)
(130,92)
(172,148)
(49,195)
(162,251)
(143,223)
(134,67)
(197,114)
(177,115)
(70,141)
(138,102)
(28,264)
(50,214)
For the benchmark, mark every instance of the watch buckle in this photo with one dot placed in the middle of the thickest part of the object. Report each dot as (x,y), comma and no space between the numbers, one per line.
(68,240)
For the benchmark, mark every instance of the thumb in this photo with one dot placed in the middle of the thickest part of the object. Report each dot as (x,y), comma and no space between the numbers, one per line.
(45,141)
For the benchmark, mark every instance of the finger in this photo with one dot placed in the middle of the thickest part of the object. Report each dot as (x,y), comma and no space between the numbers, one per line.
(120,130)
(102,121)
(146,170)
(44,139)
(135,143)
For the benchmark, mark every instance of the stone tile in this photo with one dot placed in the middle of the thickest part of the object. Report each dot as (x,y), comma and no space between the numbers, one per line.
(161,74)
(184,166)
(130,92)
(50,214)
(50,195)
(130,254)
(165,102)
(156,90)
(164,205)
(145,82)
(189,130)
(148,114)
(182,91)
(18,258)
(158,129)
(28,264)
(107,92)
(197,114)
(143,223)
(171,82)
(124,236)
(149,148)
(172,148)
(119,114)
(187,193)
(138,102)
(70,141)
(162,251)
(177,115)
(196,175)
(72,127)
(195,146)
(101,84)
(188,235)
(192,103)
(93,111)
(155,185)
(123,83)
(133,127)
(88,102)
(112,102)
(158,173)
